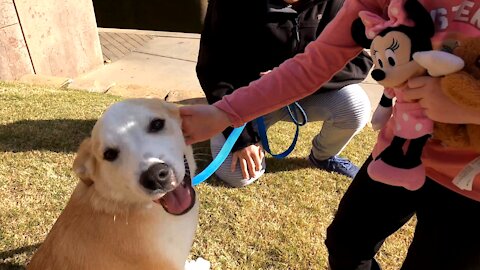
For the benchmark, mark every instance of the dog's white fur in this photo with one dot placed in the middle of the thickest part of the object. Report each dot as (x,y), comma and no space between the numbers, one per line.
(111,221)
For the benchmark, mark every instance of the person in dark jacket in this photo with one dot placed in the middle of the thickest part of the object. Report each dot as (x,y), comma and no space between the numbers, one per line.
(241,41)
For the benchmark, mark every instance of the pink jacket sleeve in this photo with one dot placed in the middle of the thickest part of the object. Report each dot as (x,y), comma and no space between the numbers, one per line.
(305,73)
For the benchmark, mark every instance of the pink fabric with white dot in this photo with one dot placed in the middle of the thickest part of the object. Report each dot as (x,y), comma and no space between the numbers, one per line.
(410,121)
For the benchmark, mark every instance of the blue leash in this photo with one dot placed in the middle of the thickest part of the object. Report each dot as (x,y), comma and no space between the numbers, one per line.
(227,147)
(220,158)
(292,111)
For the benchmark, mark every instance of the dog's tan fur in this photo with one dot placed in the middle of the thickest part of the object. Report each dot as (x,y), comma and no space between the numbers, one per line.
(102,230)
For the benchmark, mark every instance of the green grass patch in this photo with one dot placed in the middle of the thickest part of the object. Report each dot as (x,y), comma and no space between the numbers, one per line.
(277,223)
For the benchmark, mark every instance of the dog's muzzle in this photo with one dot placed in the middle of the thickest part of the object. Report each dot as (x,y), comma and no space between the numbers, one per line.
(179,196)
(157,177)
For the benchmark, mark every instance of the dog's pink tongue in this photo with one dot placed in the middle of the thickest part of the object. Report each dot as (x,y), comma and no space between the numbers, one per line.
(179,200)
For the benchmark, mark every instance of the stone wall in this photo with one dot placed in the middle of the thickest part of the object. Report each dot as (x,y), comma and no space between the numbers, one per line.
(14,56)
(48,37)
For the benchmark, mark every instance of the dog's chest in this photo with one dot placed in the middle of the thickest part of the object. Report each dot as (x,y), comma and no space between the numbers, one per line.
(154,238)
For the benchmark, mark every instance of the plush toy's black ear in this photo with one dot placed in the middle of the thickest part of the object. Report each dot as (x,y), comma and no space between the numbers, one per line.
(358,34)
(423,21)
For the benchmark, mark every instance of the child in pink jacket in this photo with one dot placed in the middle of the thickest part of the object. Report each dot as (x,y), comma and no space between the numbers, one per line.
(448,214)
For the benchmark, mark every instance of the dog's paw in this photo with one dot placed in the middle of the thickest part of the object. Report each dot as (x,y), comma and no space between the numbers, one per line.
(198,264)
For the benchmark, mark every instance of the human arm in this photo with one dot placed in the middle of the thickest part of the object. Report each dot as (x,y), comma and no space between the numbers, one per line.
(292,80)
(303,74)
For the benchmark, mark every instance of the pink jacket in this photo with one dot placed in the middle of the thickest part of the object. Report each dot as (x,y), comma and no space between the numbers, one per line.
(305,73)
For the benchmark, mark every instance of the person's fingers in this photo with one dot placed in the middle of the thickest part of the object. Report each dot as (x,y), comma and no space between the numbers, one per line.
(244,169)
(424,104)
(234,162)
(188,140)
(418,82)
(414,94)
(265,72)
(257,160)
(250,167)
(186,135)
(262,153)
(186,115)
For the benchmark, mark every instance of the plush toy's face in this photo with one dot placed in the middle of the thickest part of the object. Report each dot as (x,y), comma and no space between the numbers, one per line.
(391,54)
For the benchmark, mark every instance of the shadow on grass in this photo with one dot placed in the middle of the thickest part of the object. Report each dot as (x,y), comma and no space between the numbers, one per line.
(14,252)
(286,164)
(58,135)
(11,266)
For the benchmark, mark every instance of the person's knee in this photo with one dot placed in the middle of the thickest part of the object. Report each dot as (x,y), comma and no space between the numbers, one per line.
(237,183)
(348,249)
(235,179)
(355,111)
(361,116)
(338,255)
(332,241)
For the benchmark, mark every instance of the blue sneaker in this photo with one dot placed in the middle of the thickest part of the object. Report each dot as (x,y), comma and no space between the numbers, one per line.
(335,164)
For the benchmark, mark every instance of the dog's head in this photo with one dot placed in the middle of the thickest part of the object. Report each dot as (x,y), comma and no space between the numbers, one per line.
(136,155)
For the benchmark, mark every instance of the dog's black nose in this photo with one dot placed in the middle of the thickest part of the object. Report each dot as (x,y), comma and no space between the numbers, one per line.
(378,75)
(156,177)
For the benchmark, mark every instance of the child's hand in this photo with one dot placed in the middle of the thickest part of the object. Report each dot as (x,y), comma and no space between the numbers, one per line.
(249,160)
(437,105)
(201,122)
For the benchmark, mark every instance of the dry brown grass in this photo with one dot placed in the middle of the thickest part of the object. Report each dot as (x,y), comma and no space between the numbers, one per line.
(277,223)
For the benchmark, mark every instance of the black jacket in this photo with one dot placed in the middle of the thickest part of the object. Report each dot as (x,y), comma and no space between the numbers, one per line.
(240,39)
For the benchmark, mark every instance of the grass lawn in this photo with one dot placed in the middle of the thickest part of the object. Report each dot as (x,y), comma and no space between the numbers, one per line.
(277,223)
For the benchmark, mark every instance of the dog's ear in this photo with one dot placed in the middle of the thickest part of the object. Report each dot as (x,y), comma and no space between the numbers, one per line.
(172,110)
(358,34)
(84,163)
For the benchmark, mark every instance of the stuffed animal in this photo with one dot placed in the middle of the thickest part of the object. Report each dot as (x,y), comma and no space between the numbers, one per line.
(401,49)
(463,88)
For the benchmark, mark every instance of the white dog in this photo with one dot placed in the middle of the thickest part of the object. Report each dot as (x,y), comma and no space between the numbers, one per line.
(135,207)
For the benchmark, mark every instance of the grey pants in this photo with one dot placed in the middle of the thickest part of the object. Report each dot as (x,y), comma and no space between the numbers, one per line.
(344,113)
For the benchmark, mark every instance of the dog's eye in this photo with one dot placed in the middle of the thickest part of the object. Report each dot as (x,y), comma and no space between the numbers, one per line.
(110,154)
(477,62)
(156,125)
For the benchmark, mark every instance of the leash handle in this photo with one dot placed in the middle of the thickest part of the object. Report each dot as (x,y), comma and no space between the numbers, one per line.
(220,158)
(293,115)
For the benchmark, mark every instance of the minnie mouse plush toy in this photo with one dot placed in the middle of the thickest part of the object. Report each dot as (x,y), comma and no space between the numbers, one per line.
(401,49)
